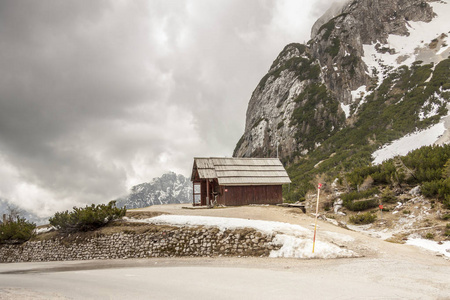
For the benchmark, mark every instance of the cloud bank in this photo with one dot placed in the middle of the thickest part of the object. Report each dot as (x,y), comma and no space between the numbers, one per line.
(97,96)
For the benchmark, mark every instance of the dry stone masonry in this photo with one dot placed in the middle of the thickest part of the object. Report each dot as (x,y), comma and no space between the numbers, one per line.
(184,241)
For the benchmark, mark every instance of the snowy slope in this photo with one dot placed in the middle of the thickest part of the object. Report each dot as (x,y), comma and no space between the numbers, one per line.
(429,43)
(409,142)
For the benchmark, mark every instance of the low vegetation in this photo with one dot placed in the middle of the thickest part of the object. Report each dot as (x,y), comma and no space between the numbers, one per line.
(361,219)
(302,66)
(87,218)
(16,230)
(388,113)
(428,167)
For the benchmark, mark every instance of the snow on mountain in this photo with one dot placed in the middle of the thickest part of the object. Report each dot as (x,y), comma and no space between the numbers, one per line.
(167,189)
(427,42)
(409,142)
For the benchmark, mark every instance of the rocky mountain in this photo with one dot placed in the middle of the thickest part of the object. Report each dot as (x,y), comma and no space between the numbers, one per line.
(167,189)
(374,72)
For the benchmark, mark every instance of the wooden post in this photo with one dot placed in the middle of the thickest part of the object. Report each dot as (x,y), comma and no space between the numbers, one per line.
(317,214)
(207,192)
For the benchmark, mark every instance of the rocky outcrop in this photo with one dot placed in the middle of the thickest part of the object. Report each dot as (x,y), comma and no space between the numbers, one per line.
(338,44)
(305,96)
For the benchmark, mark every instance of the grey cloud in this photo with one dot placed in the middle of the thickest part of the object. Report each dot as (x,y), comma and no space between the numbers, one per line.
(95,95)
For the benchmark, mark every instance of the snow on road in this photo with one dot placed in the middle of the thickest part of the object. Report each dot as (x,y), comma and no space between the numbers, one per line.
(296,241)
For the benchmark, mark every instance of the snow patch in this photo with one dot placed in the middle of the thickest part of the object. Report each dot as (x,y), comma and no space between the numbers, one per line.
(301,248)
(346,109)
(409,142)
(429,108)
(44,229)
(443,248)
(358,93)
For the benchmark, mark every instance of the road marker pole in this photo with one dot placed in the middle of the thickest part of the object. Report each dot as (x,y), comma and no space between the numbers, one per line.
(317,214)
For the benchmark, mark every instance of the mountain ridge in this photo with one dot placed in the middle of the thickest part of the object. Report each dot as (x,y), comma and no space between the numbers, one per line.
(356,86)
(170,188)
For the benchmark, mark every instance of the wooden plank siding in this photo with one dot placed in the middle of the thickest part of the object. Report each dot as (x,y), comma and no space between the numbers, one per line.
(245,195)
(246,180)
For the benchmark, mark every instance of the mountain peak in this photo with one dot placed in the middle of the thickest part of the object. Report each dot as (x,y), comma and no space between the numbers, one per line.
(373,72)
(167,189)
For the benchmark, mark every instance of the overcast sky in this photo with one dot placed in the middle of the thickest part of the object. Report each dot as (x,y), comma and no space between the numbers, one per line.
(97,96)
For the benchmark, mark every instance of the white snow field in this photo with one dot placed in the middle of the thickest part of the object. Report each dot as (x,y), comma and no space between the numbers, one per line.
(409,142)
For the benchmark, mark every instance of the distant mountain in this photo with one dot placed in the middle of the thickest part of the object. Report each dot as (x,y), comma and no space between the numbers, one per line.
(167,189)
(6,207)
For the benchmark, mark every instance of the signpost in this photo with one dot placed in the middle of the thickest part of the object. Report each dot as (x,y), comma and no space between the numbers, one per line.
(317,214)
(381,210)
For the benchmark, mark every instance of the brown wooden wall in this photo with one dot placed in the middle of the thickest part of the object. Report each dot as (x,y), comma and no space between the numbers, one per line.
(204,190)
(256,194)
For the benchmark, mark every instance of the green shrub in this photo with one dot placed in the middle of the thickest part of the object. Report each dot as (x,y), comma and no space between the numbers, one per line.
(333,50)
(446,202)
(360,195)
(281,124)
(351,200)
(361,205)
(328,29)
(362,219)
(19,230)
(429,236)
(447,231)
(88,218)
(445,217)
(388,196)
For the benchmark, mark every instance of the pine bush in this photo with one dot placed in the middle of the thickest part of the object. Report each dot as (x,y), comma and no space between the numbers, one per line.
(18,230)
(88,218)
(362,219)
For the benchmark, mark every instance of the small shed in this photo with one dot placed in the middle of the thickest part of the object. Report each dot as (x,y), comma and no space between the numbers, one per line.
(238,181)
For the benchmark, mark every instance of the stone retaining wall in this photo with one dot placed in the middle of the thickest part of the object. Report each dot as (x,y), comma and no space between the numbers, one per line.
(159,243)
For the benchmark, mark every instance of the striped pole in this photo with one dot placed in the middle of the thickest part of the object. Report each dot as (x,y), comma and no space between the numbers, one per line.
(317,214)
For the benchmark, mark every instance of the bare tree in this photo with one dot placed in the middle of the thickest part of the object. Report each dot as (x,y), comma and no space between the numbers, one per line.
(12,213)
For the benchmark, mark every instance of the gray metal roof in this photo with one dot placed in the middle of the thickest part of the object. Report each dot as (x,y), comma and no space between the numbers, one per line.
(242,171)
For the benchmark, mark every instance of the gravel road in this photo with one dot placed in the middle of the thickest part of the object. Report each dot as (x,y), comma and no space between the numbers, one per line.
(386,271)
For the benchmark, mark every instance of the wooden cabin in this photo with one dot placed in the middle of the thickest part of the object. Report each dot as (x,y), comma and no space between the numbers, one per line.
(238,181)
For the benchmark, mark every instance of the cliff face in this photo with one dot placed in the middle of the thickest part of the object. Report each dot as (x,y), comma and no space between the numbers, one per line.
(338,44)
(312,91)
